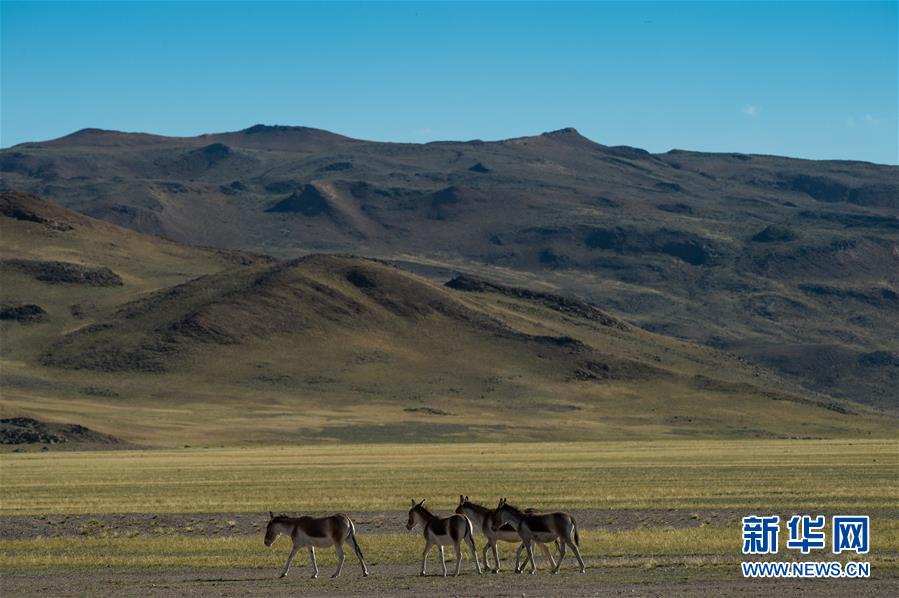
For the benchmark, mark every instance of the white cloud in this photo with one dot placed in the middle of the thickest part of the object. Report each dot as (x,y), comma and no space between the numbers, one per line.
(870,120)
(750,110)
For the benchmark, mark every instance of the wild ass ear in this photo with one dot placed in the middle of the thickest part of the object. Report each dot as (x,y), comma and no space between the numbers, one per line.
(422,502)
(412,500)
(271,515)
(461,499)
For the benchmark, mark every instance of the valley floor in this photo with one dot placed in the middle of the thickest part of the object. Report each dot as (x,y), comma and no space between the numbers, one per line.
(656,518)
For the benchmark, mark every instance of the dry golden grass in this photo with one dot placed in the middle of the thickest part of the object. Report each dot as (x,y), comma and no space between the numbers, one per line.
(688,474)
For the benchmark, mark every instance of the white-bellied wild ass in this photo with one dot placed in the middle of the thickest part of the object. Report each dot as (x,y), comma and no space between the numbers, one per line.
(545,527)
(441,531)
(315,533)
(480,518)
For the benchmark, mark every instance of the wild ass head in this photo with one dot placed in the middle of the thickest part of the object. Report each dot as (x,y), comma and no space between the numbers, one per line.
(503,514)
(415,513)
(274,528)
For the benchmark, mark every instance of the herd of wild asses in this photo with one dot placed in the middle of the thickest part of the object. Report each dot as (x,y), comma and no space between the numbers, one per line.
(504,523)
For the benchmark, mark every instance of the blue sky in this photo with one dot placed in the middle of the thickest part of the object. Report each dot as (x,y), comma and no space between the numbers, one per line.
(807,79)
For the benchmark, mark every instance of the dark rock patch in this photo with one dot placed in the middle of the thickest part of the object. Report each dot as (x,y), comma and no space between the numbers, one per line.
(234,188)
(565,305)
(360,280)
(688,247)
(878,359)
(669,187)
(774,234)
(426,410)
(16,205)
(66,273)
(549,258)
(605,202)
(675,208)
(878,297)
(817,187)
(307,201)
(337,167)
(24,314)
(282,186)
(480,168)
(25,430)
(445,203)
(852,220)
(876,195)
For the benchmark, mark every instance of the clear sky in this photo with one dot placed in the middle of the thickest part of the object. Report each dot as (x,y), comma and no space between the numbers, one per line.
(807,79)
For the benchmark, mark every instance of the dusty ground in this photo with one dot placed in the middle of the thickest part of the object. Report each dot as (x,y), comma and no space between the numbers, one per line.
(615,576)
(401,580)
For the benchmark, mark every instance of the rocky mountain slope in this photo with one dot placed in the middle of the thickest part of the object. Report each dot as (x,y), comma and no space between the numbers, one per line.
(793,264)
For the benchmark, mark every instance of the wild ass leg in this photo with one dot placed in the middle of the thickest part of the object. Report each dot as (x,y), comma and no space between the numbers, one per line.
(552,561)
(424,557)
(293,553)
(577,553)
(358,552)
(527,559)
(474,554)
(458,547)
(561,556)
(495,559)
(314,563)
(487,546)
(443,560)
(341,557)
(518,567)
(529,544)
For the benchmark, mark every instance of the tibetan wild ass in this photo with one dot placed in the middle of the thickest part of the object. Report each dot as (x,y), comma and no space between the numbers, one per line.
(545,527)
(480,518)
(315,532)
(442,531)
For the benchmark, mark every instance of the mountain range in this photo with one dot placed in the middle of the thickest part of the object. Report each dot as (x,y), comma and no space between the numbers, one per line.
(419,275)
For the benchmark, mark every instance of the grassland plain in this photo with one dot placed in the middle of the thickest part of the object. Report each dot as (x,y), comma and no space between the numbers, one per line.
(696,481)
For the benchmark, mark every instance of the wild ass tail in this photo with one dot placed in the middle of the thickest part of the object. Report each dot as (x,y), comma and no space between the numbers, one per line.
(356,547)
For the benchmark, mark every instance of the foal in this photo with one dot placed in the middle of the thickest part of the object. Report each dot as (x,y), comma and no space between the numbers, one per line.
(480,518)
(315,532)
(442,531)
(540,528)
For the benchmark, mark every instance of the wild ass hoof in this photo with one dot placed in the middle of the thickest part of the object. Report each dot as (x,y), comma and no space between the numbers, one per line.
(583,570)
(314,576)
(533,572)
(365,574)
